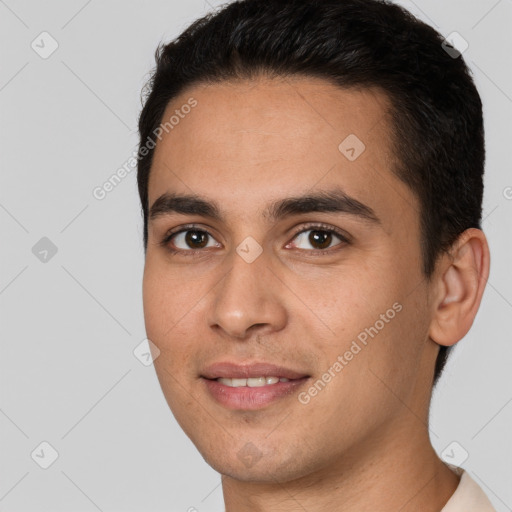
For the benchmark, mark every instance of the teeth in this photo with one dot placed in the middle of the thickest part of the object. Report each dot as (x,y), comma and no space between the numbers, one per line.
(254,382)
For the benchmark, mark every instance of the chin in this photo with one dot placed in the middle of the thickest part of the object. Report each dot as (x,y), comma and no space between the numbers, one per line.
(251,465)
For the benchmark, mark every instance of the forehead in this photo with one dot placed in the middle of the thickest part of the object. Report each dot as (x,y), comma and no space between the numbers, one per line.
(247,142)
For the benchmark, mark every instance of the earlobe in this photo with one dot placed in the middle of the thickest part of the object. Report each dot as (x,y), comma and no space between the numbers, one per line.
(461,282)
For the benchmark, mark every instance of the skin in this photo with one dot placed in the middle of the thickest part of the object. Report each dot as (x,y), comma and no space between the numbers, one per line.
(363,440)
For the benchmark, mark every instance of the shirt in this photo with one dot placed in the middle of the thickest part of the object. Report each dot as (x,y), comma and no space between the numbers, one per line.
(468,497)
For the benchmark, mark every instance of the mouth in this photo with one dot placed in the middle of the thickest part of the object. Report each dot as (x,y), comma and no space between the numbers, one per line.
(252,370)
(250,386)
(253,382)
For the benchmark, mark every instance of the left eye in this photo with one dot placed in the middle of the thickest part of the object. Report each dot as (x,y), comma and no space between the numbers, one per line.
(317,238)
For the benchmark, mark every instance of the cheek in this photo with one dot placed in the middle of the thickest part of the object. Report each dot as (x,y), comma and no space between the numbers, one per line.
(173,311)
(397,350)
(346,300)
(165,315)
(371,313)
(154,302)
(167,298)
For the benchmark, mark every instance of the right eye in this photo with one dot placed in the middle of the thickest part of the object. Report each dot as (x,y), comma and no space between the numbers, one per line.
(189,239)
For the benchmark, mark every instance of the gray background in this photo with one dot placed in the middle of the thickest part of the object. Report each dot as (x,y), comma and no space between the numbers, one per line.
(70,323)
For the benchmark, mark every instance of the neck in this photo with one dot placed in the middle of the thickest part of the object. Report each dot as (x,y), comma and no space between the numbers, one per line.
(397,471)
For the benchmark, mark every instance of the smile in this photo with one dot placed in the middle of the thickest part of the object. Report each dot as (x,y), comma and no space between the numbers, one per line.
(254,382)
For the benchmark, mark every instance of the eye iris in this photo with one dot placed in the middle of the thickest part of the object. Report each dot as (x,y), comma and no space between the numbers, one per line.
(196,238)
(321,238)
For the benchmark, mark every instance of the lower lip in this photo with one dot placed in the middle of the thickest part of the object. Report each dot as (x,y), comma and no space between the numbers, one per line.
(247,398)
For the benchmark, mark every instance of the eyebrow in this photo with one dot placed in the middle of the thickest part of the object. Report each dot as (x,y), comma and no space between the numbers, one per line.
(332,200)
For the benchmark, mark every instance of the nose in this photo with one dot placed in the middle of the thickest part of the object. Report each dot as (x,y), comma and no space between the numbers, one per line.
(248,299)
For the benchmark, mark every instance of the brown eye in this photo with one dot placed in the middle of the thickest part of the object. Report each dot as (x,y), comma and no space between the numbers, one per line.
(320,239)
(196,239)
(188,240)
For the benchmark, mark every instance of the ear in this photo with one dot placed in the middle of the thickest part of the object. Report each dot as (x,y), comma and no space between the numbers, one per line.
(460,281)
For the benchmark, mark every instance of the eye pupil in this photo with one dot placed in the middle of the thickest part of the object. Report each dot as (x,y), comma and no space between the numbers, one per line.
(196,238)
(321,238)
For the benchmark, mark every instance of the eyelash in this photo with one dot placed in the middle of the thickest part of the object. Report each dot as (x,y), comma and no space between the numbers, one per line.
(309,227)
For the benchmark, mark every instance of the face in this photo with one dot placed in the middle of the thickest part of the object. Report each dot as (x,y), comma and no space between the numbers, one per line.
(249,271)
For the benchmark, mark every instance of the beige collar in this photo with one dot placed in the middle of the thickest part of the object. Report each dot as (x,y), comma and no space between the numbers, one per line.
(468,497)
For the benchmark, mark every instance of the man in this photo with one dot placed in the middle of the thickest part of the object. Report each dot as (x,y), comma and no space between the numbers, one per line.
(311,182)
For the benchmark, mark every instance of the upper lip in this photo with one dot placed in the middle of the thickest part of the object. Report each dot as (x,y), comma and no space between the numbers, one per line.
(227,370)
